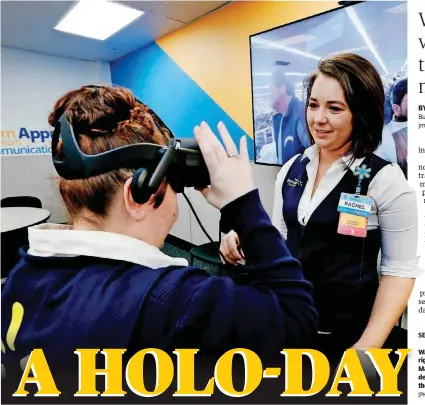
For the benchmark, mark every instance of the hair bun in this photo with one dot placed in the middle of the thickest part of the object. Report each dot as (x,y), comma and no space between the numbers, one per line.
(137,113)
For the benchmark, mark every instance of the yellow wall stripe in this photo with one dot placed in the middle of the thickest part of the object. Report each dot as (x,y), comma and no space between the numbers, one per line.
(214,50)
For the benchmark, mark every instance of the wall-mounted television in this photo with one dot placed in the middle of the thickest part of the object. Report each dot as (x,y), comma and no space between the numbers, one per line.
(282,57)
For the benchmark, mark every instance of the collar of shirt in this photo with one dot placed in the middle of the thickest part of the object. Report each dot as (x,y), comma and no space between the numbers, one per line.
(312,153)
(61,240)
(332,177)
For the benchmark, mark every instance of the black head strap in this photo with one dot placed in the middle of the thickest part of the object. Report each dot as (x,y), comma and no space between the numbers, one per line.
(75,164)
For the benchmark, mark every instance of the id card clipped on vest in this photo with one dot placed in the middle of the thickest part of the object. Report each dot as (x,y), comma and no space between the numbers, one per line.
(355,212)
(355,209)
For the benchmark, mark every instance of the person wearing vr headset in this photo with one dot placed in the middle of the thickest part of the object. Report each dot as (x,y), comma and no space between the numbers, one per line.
(103,282)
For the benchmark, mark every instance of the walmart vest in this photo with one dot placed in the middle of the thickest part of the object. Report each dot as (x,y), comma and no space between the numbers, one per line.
(342,269)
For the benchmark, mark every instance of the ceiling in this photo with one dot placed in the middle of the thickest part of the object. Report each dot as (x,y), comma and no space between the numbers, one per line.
(28,25)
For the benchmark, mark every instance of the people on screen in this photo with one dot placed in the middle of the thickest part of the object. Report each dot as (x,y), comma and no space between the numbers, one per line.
(289,130)
(394,135)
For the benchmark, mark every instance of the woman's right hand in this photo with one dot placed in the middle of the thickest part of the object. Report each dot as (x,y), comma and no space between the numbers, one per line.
(231,248)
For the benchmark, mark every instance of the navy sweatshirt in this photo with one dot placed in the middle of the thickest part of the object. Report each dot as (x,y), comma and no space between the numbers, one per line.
(83,302)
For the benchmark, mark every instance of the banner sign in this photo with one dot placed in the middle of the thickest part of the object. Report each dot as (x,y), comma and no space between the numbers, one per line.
(26,141)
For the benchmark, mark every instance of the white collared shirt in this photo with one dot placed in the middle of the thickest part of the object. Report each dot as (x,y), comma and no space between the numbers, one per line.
(394,209)
(61,240)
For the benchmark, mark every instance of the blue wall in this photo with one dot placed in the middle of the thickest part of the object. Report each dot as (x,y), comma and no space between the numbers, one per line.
(161,84)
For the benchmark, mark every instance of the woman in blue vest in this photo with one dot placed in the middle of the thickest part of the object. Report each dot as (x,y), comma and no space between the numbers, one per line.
(339,252)
(103,282)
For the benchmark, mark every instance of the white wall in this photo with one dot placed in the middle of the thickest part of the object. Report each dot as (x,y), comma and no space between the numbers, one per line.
(30,85)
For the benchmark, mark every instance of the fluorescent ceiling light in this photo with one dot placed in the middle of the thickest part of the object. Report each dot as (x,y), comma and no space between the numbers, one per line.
(286,73)
(298,39)
(97,19)
(261,87)
(402,8)
(271,44)
(352,50)
(362,31)
(295,74)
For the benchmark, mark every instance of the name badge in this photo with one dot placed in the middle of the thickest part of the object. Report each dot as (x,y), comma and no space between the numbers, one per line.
(355,204)
(355,211)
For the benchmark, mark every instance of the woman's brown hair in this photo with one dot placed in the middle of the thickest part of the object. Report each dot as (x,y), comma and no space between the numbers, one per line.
(105,118)
(365,96)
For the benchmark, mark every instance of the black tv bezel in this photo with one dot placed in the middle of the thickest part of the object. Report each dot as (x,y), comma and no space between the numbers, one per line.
(343,4)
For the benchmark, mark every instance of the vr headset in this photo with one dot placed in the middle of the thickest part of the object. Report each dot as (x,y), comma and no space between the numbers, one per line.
(181,162)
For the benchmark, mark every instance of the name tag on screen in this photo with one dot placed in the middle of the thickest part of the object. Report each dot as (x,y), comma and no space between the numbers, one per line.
(355,204)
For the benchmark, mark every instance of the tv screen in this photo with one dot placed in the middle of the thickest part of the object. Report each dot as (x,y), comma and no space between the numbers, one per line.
(283,57)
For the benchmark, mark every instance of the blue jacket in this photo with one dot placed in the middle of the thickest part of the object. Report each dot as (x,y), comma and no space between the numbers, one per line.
(290,131)
(90,302)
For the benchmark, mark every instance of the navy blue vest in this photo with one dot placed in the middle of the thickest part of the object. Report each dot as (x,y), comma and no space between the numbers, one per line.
(342,269)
